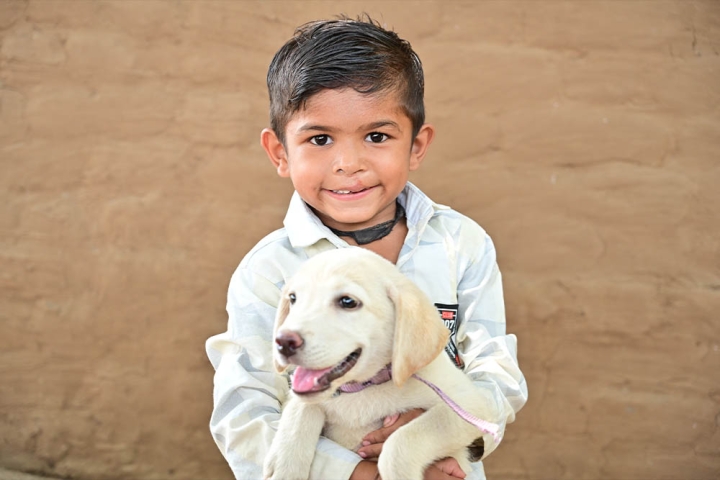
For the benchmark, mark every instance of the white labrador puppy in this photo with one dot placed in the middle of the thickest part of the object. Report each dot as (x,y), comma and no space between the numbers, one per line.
(343,317)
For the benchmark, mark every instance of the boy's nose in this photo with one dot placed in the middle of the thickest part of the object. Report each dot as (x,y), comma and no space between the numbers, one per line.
(348,162)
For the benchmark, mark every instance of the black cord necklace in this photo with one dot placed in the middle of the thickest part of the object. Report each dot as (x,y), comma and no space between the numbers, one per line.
(371,234)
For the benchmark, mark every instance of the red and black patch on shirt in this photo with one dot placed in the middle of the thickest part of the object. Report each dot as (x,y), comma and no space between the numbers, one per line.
(449,314)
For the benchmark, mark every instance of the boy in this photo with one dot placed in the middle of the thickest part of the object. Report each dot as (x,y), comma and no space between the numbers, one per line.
(347,127)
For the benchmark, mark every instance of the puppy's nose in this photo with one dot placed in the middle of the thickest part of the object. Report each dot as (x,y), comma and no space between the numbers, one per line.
(288,343)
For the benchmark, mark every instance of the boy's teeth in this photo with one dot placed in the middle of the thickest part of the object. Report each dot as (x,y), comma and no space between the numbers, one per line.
(341,191)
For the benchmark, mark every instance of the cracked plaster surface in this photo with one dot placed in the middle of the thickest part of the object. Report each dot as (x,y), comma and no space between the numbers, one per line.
(582,136)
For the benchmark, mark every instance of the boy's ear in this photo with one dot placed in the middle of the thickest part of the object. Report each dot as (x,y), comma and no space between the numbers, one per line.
(275,151)
(420,145)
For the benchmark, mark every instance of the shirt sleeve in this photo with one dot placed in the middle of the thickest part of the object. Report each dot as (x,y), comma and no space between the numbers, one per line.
(248,393)
(489,354)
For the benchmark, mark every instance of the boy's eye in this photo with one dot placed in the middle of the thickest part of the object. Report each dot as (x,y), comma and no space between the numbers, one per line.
(321,140)
(376,137)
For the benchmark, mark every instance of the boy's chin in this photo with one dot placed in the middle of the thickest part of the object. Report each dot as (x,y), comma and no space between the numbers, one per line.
(346,221)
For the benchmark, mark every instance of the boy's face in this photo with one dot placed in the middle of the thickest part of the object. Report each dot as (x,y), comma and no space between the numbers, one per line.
(349,156)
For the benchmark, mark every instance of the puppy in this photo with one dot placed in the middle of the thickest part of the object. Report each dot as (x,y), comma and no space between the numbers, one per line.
(342,318)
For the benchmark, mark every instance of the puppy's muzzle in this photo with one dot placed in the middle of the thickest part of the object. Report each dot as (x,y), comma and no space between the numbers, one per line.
(288,343)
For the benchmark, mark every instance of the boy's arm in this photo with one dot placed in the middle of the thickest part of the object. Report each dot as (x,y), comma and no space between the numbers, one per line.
(248,392)
(489,354)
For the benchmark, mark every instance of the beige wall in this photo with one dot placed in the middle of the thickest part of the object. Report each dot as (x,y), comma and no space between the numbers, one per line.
(584,136)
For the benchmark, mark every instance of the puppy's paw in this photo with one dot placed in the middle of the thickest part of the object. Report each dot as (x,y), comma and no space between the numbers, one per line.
(274,471)
(397,461)
(282,467)
(269,468)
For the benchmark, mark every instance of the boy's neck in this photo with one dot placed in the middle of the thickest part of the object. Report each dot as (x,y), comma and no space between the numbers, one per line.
(372,234)
(390,246)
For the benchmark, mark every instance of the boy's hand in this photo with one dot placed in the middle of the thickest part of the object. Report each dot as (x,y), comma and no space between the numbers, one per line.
(448,468)
(445,469)
(373,441)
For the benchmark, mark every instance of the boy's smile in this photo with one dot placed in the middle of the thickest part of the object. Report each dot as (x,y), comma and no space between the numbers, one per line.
(349,155)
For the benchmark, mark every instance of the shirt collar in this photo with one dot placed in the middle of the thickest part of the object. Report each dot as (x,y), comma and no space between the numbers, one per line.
(304,228)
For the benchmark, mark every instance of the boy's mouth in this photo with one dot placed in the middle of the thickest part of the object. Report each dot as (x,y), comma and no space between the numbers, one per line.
(350,191)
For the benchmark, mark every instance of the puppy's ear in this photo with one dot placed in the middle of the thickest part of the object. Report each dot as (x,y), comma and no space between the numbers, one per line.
(420,335)
(282,312)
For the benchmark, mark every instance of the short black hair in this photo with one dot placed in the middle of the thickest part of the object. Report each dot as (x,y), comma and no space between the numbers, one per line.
(344,53)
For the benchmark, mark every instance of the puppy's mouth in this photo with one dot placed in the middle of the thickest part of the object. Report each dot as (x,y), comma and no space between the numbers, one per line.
(305,380)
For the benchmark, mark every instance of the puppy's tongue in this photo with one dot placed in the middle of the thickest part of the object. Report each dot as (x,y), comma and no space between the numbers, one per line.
(305,380)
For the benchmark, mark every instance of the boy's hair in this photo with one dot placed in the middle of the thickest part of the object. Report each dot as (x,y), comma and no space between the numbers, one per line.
(344,53)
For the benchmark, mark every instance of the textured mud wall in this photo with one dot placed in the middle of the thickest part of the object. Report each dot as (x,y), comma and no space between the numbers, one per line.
(585,137)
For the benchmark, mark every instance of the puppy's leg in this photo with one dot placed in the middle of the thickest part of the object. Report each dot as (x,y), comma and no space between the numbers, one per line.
(293,448)
(435,434)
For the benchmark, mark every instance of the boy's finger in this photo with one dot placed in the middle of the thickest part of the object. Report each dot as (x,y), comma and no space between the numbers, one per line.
(390,420)
(382,434)
(434,473)
(370,452)
(377,436)
(450,466)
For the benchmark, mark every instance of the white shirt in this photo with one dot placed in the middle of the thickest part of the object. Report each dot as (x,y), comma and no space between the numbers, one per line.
(449,256)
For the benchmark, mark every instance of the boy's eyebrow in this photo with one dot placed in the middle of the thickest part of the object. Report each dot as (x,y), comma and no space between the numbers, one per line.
(307,127)
(379,124)
(369,126)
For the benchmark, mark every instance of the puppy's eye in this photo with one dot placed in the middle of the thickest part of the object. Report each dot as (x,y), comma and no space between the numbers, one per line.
(292,298)
(348,302)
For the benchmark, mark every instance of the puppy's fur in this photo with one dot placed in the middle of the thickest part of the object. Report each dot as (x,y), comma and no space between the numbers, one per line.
(391,320)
